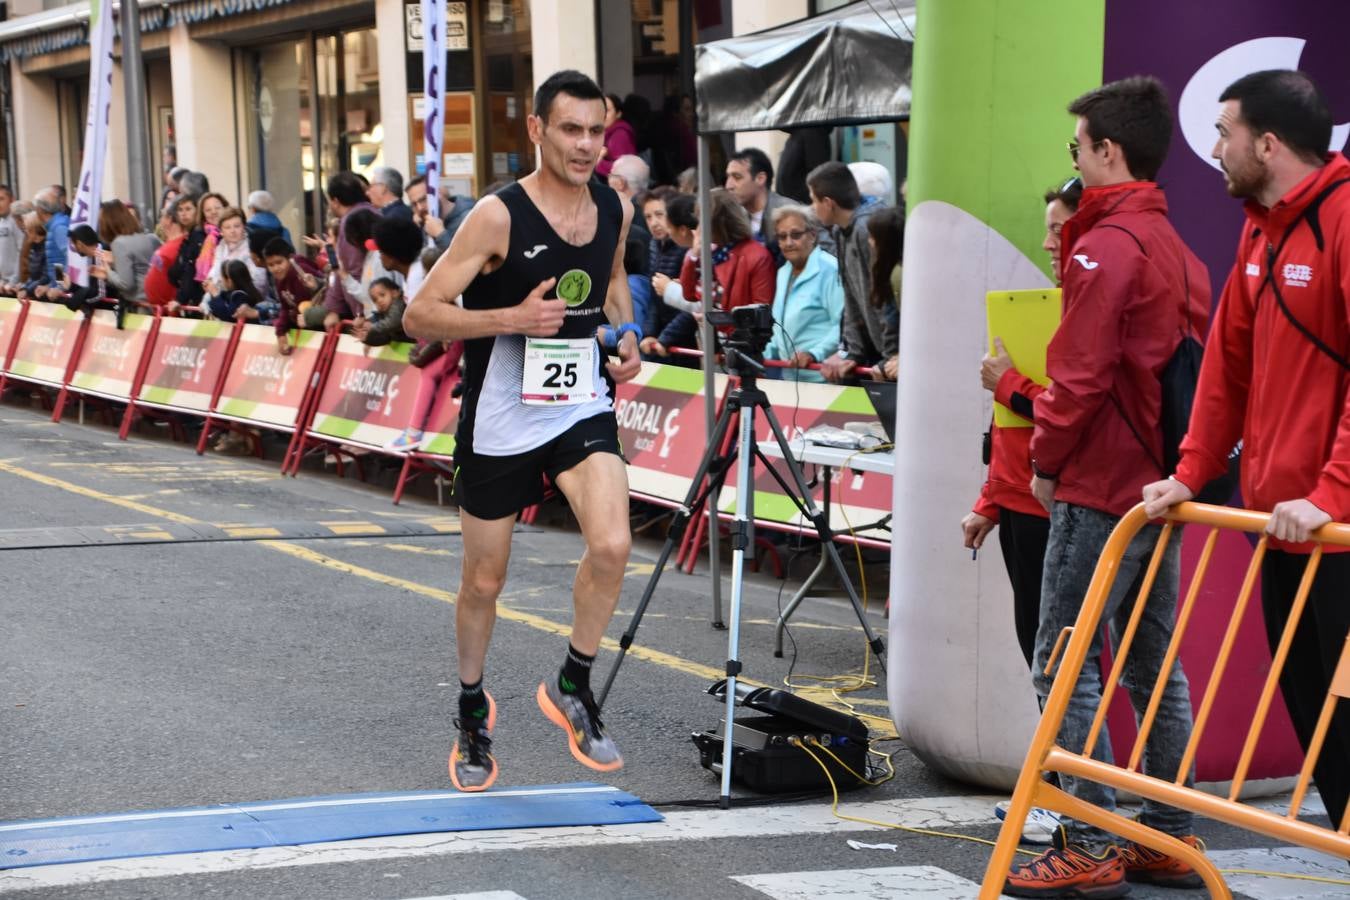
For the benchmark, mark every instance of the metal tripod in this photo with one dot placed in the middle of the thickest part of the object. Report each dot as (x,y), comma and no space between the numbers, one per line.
(742,401)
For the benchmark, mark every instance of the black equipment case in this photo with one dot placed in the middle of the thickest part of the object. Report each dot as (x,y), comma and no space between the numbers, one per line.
(763,760)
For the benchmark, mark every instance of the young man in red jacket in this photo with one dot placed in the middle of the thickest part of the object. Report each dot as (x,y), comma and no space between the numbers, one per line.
(1131,290)
(1277,374)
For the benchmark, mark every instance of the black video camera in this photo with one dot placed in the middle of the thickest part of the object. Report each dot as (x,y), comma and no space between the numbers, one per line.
(751,328)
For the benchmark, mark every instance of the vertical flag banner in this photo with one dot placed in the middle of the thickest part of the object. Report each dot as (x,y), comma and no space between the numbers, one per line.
(433,75)
(89,193)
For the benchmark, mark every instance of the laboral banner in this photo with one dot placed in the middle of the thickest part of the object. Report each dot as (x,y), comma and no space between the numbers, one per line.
(858,500)
(10,311)
(185,365)
(438,434)
(108,363)
(89,191)
(49,337)
(263,386)
(433,76)
(662,429)
(369,396)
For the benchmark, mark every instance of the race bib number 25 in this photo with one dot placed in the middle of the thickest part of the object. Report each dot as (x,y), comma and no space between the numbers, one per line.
(558,372)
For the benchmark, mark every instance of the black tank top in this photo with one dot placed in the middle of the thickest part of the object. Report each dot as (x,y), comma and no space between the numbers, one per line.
(535,253)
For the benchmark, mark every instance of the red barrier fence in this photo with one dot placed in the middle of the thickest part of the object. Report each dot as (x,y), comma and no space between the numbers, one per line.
(335,394)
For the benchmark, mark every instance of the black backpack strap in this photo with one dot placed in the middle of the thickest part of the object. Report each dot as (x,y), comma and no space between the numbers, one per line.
(1311,215)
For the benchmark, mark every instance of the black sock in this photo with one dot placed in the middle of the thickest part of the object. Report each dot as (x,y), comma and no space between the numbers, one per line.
(473,705)
(575,675)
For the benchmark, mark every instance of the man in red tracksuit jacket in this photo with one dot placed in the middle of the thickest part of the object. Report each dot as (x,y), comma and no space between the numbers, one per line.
(1131,290)
(1284,388)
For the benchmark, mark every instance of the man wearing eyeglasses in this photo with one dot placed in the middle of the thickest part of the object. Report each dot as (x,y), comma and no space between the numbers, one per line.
(1131,290)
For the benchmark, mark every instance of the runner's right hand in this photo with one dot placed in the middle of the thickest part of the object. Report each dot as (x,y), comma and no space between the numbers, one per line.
(538,317)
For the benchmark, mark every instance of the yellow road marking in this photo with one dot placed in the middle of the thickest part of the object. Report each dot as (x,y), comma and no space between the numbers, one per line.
(353,527)
(98,495)
(539,623)
(242,531)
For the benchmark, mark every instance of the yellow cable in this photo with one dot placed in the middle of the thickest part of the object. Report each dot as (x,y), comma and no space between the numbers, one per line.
(1290,875)
(851,682)
(834,808)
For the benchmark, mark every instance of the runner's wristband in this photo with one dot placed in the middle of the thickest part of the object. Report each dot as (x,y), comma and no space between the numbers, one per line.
(628,328)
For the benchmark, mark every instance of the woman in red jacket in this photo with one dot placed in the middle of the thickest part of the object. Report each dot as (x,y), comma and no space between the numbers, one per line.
(743,271)
(1006,498)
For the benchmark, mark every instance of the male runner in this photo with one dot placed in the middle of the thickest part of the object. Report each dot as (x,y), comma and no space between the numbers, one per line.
(540,268)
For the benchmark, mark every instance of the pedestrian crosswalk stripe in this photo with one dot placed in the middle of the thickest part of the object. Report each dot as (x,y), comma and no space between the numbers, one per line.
(739,822)
(482,895)
(898,882)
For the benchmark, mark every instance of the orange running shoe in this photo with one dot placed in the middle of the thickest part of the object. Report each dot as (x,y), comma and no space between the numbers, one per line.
(472,766)
(1069,870)
(578,715)
(1147,866)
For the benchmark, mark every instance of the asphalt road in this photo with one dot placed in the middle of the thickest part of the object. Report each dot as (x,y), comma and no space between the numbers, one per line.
(187,674)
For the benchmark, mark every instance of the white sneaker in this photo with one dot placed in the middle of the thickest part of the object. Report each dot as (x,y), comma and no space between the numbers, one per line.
(1040,826)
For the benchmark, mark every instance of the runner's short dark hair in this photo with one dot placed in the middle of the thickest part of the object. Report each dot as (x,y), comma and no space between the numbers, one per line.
(1288,105)
(1134,114)
(569,82)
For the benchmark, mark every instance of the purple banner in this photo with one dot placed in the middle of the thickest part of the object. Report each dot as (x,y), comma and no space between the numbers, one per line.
(1198,49)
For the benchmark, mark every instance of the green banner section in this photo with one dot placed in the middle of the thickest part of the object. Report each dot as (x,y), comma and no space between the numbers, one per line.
(992,79)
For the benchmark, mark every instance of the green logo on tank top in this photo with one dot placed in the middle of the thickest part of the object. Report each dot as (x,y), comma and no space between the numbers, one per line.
(574,287)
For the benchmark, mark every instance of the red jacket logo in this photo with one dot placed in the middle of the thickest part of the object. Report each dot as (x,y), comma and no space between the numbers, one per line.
(1296,275)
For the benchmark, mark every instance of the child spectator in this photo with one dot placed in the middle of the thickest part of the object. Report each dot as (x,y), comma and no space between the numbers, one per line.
(385,324)
(238,297)
(33,264)
(294,282)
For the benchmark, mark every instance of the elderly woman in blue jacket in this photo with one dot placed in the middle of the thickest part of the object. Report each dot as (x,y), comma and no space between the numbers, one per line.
(808,304)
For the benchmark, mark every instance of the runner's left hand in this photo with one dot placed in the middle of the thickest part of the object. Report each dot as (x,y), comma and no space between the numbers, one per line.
(630,362)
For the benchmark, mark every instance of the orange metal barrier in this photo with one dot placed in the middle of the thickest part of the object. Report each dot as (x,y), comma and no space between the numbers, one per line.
(1045,756)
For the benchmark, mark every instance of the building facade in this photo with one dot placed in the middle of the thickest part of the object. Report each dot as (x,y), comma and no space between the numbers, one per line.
(280,94)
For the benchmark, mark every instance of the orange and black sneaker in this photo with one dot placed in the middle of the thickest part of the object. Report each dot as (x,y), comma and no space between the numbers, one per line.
(1069,870)
(1145,865)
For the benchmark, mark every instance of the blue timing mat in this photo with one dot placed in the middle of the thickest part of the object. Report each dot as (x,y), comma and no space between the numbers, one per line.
(311,820)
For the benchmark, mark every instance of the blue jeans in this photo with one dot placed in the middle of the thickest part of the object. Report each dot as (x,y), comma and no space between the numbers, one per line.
(1077,536)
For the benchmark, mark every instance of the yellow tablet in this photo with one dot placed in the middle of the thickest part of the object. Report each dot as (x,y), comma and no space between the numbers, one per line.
(1025,321)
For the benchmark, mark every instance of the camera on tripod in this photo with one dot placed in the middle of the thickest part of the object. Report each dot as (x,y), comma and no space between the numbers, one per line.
(751,329)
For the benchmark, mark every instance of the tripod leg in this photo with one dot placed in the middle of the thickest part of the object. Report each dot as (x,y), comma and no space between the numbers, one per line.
(742,539)
(795,602)
(828,547)
(677,529)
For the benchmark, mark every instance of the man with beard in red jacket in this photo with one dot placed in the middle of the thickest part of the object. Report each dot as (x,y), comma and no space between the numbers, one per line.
(1277,374)
(1131,290)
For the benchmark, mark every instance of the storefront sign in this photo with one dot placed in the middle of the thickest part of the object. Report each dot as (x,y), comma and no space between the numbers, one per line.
(457,26)
(412,22)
